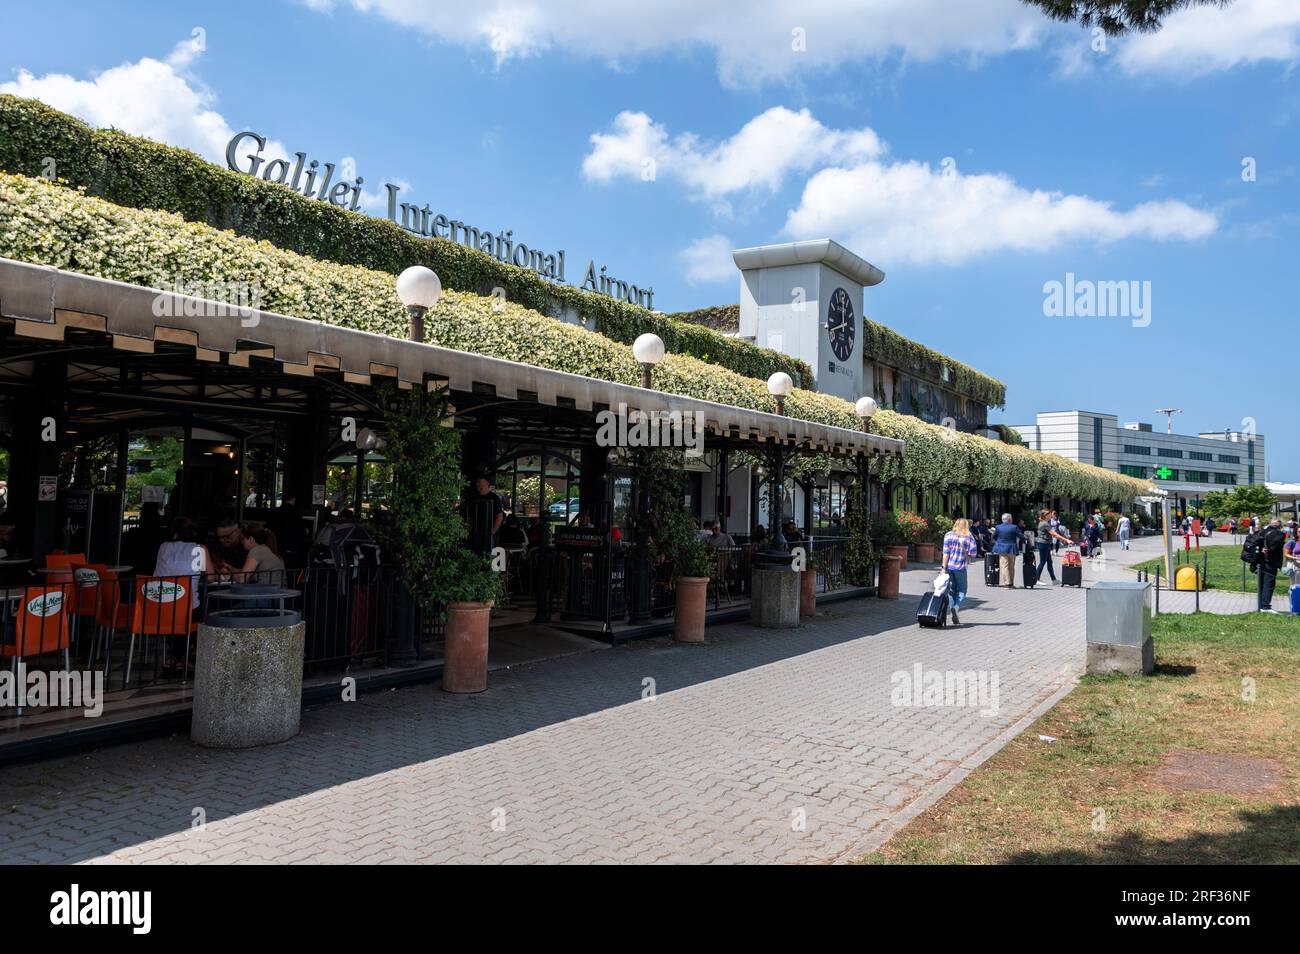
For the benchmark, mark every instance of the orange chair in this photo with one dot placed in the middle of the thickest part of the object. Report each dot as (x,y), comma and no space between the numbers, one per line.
(40,625)
(98,595)
(64,561)
(164,606)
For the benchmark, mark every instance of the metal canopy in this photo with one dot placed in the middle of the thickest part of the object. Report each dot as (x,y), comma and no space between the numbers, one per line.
(43,302)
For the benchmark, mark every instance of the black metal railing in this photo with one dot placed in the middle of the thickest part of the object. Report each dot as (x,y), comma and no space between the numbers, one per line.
(140,630)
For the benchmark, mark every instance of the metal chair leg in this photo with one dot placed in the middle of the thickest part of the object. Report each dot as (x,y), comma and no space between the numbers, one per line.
(130,652)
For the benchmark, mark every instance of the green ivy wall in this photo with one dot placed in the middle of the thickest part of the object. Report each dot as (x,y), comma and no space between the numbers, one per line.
(50,224)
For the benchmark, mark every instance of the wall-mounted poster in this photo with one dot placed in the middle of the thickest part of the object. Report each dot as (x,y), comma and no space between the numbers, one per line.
(48,491)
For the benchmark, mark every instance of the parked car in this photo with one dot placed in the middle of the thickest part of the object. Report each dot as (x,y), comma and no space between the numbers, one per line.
(563,509)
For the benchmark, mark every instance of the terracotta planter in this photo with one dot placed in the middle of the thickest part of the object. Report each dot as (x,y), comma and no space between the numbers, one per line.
(887,585)
(926,553)
(464,669)
(901,553)
(688,619)
(808,593)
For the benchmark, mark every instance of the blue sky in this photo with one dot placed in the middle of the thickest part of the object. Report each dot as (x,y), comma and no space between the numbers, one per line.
(1115,165)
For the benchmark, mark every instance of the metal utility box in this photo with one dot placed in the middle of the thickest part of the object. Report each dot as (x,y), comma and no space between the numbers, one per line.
(1118,625)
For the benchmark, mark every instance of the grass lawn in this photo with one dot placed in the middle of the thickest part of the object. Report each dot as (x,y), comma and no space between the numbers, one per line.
(1037,802)
(1223,571)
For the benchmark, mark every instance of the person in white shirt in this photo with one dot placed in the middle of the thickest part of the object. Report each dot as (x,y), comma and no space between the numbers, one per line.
(718,538)
(1122,529)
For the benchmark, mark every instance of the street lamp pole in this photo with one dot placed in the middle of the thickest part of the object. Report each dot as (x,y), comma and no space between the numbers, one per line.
(648,349)
(779,385)
(419,289)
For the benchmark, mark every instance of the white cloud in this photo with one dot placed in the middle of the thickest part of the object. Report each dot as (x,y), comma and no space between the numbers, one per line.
(751,46)
(894,210)
(1200,40)
(708,260)
(762,155)
(907,211)
(159,99)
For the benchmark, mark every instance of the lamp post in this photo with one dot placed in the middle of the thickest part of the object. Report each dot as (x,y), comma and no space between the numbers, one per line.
(866,409)
(779,385)
(648,349)
(419,288)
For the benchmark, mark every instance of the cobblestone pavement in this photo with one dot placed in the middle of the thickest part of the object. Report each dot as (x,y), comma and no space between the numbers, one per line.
(760,746)
(1220,602)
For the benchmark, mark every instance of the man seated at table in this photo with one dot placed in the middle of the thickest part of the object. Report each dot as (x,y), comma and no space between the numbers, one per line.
(718,537)
(227,543)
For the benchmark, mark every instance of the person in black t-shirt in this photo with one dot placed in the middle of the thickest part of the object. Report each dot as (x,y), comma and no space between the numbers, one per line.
(1270,561)
(483,513)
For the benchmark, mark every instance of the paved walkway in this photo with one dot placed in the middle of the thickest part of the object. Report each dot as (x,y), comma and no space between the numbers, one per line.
(760,746)
(1118,563)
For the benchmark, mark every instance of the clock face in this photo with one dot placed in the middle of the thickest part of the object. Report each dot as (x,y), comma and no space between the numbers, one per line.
(840,324)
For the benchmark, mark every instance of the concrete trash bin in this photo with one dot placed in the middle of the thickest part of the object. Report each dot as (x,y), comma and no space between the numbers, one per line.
(774,597)
(248,678)
(1118,624)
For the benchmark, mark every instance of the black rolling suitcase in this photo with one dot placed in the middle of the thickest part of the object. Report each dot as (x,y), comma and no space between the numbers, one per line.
(933,610)
(1030,571)
(992,570)
(1071,573)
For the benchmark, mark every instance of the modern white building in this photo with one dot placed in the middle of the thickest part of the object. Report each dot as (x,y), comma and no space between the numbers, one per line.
(1185,466)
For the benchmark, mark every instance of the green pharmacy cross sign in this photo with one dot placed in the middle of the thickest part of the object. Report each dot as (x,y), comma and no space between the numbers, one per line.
(1164,473)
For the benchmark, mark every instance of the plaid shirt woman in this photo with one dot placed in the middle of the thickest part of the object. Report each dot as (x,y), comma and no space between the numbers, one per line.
(958,548)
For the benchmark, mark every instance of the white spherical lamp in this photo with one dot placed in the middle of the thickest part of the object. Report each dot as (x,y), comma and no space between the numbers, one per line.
(866,408)
(419,288)
(780,384)
(648,349)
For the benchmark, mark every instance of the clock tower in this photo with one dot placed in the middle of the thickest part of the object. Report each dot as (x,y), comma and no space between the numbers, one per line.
(805,299)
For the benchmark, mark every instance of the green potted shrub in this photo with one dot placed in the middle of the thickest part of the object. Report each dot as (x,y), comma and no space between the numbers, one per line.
(470,593)
(440,573)
(674,532)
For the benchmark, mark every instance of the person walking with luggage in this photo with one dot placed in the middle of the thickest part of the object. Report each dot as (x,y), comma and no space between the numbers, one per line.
(1122,530)
(1007,540)
(1092,533)
(1272,541)
(1047,536)
(958,549)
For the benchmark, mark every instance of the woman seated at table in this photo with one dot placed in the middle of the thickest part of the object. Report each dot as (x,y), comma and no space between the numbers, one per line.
(182,555)
(262,564)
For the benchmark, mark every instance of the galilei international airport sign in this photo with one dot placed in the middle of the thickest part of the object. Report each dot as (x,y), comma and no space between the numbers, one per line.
(317,181)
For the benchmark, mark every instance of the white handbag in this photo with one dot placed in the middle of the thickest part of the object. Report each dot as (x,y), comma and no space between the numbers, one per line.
(941,583)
